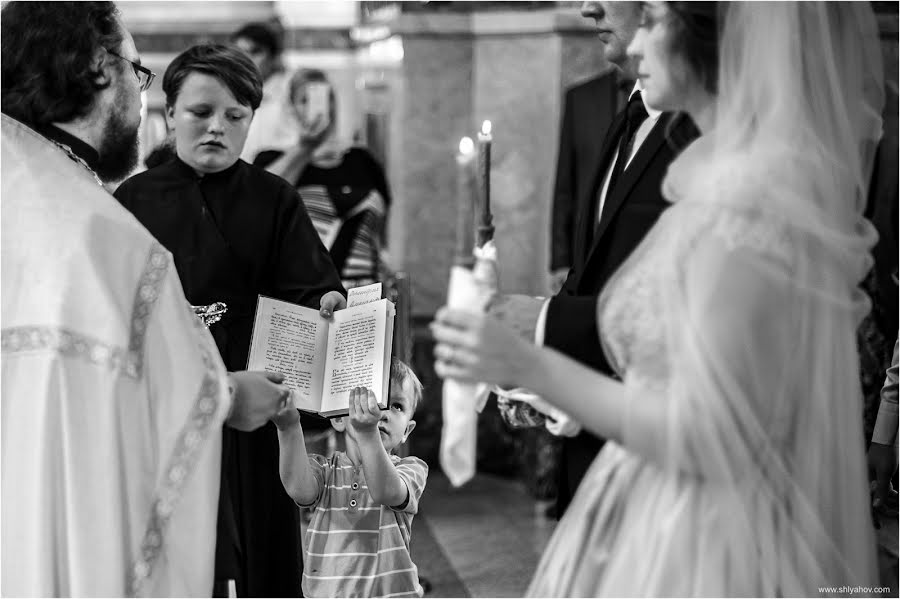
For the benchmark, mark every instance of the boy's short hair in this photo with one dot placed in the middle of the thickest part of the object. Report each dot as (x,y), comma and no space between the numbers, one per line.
(230,66)
(401,374)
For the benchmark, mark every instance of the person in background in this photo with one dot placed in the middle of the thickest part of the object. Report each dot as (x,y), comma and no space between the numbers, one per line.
(343,187)
(613,214)
(236,232)
(882,457)
(274,125)
(364,499)
(113,393)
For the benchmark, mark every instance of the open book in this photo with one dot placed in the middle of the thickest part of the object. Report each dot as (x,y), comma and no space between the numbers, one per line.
(321,360)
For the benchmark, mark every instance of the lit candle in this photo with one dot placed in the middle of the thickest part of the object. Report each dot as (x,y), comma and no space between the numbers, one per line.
(465,212)
(485,228)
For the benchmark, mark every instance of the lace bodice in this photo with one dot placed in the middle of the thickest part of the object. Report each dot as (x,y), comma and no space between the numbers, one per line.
(633,309)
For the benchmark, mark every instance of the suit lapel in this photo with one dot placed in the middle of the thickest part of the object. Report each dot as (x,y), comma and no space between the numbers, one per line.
(589,204)
(596,116)
(631,175)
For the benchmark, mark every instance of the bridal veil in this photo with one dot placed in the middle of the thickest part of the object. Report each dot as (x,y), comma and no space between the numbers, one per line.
(764,250)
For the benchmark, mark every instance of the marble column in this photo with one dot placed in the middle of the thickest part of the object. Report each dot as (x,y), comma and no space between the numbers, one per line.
(511,67)
(433,111)
(459,68)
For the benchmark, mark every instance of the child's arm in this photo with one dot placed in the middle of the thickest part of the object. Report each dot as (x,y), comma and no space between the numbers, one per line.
(293,462)
(385,484)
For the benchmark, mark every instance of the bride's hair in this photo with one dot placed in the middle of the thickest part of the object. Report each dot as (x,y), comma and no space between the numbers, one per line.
(694,32)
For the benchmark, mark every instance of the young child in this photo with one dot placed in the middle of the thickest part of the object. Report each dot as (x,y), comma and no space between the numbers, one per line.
(357,543)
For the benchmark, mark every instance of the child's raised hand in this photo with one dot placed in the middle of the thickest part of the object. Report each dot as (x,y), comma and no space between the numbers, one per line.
(364,410)
(286,418)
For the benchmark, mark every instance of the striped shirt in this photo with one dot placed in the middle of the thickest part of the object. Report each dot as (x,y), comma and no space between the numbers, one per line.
(356,547)
(351,235)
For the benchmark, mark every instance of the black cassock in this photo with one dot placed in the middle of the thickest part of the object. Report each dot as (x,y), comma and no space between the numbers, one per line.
(234,235)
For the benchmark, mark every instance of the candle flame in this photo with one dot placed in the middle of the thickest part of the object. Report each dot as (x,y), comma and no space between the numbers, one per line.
(466,146)
(486,127)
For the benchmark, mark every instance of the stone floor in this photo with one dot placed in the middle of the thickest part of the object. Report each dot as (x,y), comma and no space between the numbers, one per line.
(490,531)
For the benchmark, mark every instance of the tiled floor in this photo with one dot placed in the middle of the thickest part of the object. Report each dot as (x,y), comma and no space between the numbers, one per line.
(490,530)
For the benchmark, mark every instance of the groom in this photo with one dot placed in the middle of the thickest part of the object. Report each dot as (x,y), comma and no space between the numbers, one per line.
(613,215)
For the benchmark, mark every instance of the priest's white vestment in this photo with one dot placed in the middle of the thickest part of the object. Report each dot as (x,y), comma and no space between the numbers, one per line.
(113,393)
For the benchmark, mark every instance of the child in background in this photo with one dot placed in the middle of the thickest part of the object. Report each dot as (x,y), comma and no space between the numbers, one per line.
(365,499)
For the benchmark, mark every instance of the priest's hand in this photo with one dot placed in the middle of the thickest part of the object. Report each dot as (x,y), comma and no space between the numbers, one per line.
(255,398)
(475,347)
(519,312)
(330,303)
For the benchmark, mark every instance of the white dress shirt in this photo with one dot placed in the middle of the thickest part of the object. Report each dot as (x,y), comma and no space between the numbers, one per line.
(639,137)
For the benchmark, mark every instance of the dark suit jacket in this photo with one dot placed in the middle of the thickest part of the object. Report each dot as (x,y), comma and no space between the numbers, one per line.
(629,211)
(587,113)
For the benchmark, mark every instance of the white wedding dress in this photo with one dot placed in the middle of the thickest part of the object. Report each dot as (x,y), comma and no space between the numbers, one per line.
(740,471)
(707,505)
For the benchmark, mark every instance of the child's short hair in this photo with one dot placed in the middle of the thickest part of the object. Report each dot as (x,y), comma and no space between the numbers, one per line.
(400,374)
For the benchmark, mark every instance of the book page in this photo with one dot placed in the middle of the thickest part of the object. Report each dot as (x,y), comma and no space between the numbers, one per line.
(355,355)
(363,295)
(291,339)
(388,346)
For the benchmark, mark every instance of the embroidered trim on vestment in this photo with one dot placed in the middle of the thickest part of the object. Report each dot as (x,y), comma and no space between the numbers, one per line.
(77,345)
(65,342)
(144,300)
(184,458)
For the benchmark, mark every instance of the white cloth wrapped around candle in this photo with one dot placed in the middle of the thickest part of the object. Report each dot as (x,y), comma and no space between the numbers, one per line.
(468,289)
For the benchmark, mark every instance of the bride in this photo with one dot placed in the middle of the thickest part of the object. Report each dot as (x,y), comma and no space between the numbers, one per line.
(735,462)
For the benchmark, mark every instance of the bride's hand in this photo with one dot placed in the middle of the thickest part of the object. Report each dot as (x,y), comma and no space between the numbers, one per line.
(476,347)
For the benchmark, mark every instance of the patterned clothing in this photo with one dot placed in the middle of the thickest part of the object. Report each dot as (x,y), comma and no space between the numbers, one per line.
(357,254)
(356,547)
(348,205)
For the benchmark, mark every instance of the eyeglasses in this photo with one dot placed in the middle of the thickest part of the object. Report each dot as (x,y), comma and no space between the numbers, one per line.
(145,76)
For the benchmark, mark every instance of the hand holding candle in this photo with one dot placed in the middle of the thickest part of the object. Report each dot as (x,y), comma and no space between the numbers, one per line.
(485,228)
(465,212)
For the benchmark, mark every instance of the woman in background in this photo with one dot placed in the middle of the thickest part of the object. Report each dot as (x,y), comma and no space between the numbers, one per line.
(734,465)
(274,125)
(344,188)
(235,232)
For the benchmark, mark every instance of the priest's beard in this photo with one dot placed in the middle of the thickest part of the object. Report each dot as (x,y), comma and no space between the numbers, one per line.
(119,146)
